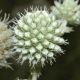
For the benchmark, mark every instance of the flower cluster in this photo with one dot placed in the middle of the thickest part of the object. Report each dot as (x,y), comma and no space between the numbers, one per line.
(5,40)
(38,36)
(68,10)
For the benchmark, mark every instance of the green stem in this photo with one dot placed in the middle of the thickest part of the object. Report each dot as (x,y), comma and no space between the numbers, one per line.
(35,75)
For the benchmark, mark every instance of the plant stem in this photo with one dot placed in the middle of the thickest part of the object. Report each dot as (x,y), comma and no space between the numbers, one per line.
(35,75)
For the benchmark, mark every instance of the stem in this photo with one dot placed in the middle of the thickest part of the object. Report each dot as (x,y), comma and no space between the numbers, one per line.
(35,75)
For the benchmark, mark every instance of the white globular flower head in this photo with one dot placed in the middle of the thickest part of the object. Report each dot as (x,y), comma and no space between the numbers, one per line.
(5,40)
(68,10)
(38,36)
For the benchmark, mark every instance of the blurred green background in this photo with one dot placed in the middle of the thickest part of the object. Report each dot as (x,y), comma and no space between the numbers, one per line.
(66,67)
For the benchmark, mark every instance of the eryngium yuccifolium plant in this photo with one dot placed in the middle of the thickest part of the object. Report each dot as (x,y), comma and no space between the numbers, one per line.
(38,36)
(5,40)
(68,10)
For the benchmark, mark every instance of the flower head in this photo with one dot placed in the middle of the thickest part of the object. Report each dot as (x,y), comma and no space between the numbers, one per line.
(38,36)
(68,10)
(5,40)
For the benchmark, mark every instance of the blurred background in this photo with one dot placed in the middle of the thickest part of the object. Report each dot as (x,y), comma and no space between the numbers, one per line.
(66,67)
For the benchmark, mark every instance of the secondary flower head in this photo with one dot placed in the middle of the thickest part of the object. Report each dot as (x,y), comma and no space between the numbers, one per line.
(68,10)
(38,36)
(5,40)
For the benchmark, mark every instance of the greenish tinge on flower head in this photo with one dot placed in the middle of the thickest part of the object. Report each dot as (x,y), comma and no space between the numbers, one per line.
(68,10)
(5,40)
(38,36)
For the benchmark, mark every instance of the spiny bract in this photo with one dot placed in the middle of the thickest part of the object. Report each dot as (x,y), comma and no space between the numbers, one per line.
(38,36)
(68,10)
(5,40)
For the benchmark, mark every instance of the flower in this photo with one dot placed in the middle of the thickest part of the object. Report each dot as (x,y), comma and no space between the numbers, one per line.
(38,36)
(68,10)
(5,40)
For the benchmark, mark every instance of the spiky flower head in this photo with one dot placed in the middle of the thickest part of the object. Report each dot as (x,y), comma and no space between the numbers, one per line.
(38,36)
(5,40)
(68,10)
